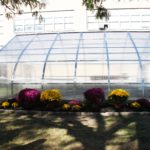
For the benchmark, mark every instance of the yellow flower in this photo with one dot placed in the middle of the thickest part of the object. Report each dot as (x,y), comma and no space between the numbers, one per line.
(119,92)
(65,106)
(76,107)
(51,95)
(135,105)
(5,104)
(15,104)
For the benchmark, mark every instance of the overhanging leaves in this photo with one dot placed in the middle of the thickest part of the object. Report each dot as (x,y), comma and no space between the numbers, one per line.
(13,7)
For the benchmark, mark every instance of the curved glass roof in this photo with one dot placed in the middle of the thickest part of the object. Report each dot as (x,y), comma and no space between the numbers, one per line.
(80,57)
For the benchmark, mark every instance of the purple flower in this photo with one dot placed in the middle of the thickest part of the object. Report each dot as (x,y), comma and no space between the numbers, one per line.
(95,95)
(28,98)
(143,102)
(75,102)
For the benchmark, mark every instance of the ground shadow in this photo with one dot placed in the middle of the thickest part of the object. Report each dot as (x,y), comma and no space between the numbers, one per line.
(94,131)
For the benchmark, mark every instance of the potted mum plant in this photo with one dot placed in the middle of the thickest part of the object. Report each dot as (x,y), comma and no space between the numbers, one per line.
(94,98)
(140,104)
(51,98)
(73,105)
(28,98)
(118,98)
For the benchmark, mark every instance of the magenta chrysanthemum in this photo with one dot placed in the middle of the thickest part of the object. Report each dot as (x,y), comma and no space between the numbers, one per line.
(28,98)
(95,95)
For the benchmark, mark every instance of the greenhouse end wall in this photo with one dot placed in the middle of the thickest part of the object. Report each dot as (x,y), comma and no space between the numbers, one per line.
(74,62)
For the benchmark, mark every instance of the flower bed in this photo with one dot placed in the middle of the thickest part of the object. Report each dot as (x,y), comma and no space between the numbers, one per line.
(94,101)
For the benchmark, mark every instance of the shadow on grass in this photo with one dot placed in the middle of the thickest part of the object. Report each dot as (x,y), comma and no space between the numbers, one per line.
(72,131)
(38,144)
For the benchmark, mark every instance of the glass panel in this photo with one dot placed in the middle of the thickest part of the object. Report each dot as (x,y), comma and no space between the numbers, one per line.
(69,36)
(63,51)
(5,89)
(125,72)
(45,37)
(145,56)
(8,58)
(24,38)
(6,70)
(146,71)
(92,72)
(16,45)
(10,52)
(61,57)
(30,58)
(142,42)
(140,35)
(118,35)
(93,57)
(40,45)
(36,51)
(93,50)
(66,44)
(29,72)
(119,42)
(123,56)
(93,36)
(144,49)
(121,50)
(59,70)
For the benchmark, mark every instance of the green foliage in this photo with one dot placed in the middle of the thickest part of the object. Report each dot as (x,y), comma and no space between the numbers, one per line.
(13,7)
(96,5)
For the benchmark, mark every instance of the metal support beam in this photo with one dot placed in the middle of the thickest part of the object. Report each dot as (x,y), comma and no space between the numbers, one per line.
(77,55)
(107,56)
(19,57)
(46,59)
(3,48)
(140,62)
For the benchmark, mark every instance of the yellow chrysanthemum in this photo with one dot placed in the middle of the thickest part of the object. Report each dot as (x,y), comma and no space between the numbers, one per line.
(135,105)
(65,106)
(15,104)
(5,104)
(119,92)
(76,107)
(51,95)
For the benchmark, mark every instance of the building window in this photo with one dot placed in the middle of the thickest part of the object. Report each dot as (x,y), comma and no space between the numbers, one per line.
(52,21)
(121,19)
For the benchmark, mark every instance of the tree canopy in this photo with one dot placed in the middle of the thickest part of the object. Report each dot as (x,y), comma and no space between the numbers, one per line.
(12,7)
(97,5)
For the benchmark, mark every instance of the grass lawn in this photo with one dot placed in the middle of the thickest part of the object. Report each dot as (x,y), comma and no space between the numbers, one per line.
(27,130)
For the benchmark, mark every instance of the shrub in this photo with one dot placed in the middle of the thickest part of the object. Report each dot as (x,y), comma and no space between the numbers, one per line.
(50,95)
(94,98)
(75,102)
(5,104)
(72,105)
(29,98)
(51,98)
(76,107)
(143,102)
(66,107)
(15,104)
(118,97)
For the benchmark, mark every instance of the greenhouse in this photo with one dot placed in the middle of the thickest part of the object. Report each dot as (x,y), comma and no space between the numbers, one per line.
(74,62)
